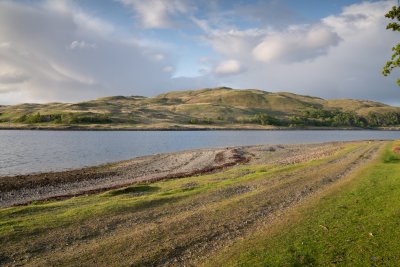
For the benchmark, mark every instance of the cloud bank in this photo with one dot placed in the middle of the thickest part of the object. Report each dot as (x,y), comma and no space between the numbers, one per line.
(60,51)
(340,56)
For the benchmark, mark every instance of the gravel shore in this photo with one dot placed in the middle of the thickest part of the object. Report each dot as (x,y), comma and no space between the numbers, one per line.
(23,189)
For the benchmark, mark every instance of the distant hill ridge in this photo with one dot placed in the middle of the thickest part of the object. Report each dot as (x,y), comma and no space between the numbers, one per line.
(205,108)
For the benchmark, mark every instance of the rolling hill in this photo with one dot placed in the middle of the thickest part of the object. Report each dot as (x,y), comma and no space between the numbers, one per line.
(206,108)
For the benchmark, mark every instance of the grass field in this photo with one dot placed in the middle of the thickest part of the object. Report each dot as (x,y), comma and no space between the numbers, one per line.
(340,209)
(355,224)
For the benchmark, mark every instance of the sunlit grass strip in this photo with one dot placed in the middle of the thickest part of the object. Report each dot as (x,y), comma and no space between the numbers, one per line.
(355,225)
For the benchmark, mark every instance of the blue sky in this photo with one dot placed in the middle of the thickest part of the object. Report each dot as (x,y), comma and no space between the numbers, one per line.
(184,36)
(66,50)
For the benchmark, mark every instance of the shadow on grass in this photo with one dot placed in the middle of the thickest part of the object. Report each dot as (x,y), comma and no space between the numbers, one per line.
(134,190)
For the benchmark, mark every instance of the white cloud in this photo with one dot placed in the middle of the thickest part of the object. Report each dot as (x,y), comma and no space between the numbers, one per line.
(92,24)
(348,68)
(168,69)
(33,41)
(157,13)
(159,56)
(297,43)
(230,41)
(81,44)
(229,67)
(234,42)
(359,18)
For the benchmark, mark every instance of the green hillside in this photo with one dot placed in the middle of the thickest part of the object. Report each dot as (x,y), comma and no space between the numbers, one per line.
(207,108)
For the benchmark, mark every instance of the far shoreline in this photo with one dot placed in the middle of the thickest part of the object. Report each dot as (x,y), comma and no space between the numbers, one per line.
(95,128)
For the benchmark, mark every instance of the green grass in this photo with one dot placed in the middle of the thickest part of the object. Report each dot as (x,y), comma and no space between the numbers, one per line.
(46,215)
(39,217)
(355,225)
(57,213)
(144,223)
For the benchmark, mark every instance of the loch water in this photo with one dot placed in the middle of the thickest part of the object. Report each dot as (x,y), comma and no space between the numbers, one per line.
(25,151)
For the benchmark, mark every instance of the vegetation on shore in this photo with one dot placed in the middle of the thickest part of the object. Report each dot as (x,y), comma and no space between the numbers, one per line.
(207,108)
(313,212)
(394,25)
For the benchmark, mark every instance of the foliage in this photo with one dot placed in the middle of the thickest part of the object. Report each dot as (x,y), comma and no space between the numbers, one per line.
(265,119)
(393,14)
(348,119)
(69,118)
(205,120)
(328,118)
(385,119)
(88,119)
(318,117)
(39,118)
(318,113)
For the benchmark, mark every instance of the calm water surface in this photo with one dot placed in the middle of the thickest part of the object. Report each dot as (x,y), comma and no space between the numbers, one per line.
(38,151)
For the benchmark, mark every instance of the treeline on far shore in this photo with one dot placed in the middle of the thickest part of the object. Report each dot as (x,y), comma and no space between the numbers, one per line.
(317,117)
(310,117)
(64,118)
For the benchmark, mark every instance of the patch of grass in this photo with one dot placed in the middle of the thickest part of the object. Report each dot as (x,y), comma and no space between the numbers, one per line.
(355,225)
(390,157)
(393,155)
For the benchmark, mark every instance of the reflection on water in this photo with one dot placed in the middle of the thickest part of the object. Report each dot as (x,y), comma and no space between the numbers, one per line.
(38,151)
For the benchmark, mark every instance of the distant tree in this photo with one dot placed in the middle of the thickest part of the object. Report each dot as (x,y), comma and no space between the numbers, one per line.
(22,118)
(193,121)
(349,119)
(265,119)
(393,14)
(34,118)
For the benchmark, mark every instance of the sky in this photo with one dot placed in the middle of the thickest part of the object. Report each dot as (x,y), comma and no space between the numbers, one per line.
(68,51)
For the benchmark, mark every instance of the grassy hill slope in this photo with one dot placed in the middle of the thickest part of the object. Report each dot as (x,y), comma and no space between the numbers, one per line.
(216,108)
